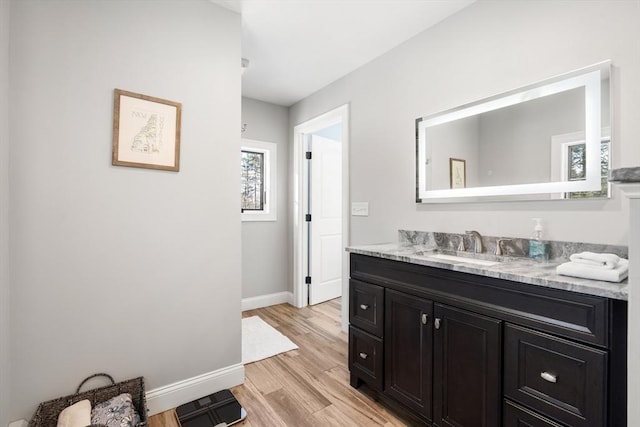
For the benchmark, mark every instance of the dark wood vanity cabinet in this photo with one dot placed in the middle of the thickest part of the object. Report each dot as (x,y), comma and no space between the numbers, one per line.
(457,349)
(467,362)
(408,346)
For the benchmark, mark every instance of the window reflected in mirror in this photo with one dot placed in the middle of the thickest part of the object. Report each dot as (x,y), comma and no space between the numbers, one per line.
(577,156)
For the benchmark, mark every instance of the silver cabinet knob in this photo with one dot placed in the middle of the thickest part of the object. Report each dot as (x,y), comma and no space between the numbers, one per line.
(549,377)
(364,306)
(436,323)
(425,318)
(363,355)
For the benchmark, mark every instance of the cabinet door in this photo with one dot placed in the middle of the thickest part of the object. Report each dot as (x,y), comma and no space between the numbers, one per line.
(408,345)
(467,368)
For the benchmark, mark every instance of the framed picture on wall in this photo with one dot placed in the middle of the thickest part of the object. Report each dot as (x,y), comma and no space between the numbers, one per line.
(457,173)
(146,131)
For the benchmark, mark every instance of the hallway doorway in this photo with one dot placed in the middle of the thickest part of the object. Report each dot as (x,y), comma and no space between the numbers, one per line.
(321,200)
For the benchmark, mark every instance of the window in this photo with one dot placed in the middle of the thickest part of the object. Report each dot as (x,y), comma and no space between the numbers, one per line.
(252,181)
(258,180)
(569,161)
(576,161)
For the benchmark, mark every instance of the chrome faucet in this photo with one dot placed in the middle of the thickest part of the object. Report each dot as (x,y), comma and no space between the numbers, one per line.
(499,248)
(477,241)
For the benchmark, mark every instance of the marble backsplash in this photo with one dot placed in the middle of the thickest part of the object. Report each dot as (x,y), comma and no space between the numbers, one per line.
(513,247)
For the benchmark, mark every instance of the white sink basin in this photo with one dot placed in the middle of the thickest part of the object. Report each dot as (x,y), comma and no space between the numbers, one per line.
(446,257)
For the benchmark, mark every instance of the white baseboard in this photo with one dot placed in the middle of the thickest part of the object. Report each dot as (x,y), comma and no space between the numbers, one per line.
(267,300)
(173,395)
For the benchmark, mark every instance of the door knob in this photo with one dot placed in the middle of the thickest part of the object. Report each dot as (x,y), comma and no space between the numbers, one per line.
(425,318)
(436,323)
(364,306)
(363,355)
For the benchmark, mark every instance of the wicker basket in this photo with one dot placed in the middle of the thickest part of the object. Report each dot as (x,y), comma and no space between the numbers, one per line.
(47,413)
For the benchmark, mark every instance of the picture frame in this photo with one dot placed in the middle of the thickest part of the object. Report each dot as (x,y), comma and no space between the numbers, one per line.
(457,173)
(146,131)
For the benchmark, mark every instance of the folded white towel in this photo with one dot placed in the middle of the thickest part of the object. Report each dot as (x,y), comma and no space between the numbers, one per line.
(596,260)
(617,274)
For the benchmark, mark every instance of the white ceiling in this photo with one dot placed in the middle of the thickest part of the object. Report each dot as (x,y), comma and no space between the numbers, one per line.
(296,47)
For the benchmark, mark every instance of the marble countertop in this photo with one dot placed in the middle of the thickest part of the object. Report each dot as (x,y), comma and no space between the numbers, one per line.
(625,174)
(523,270)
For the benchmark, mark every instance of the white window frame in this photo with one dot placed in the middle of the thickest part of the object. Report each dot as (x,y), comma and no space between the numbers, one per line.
(270,152)
(560,155)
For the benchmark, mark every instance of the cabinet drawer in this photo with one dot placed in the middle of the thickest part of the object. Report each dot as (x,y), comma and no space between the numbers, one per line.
(365,357)
(518,416)
(366,306)
(562,380)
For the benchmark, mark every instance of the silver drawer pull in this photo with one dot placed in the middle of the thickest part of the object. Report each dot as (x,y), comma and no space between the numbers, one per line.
(425,318)
(363,355)
(436,323)
(549,377)
(364,306)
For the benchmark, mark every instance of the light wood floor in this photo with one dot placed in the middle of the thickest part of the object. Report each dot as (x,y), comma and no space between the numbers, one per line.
(304,387)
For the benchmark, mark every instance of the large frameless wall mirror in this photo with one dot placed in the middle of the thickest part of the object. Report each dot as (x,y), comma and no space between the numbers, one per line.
(549,140)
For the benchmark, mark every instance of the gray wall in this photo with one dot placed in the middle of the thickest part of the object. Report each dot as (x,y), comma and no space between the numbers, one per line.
(4,213)
(487,48)
(265,245)
(125,270)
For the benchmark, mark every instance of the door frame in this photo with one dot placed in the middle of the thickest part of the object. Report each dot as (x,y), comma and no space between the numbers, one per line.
(337,115)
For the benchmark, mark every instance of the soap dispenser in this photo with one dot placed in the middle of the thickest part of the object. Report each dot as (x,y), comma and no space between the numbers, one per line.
(537,248)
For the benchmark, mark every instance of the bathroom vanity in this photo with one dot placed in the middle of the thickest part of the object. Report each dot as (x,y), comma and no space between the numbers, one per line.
(471,344)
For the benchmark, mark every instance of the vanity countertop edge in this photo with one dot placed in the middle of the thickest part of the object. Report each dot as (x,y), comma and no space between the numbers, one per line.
(528,271)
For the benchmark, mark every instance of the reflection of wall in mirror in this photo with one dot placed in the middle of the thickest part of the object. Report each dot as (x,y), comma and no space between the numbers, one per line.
(515,140)
(459,140)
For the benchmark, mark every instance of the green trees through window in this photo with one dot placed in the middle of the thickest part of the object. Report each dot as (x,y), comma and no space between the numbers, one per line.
(252,181)
(577,169)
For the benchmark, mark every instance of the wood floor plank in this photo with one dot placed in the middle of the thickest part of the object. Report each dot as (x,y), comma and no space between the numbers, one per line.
(352,402)
(308,386)
(340,375)
(330,311)
(164,419)
(297,388)
(356,408)
(289,409)
(324,353)
(333,416)
(323,325)
(259,410)
(262,377)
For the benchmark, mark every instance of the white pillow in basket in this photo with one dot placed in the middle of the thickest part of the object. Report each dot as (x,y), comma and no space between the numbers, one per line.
(76,415)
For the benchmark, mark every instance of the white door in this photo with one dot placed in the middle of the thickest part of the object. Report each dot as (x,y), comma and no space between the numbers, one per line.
(325,259)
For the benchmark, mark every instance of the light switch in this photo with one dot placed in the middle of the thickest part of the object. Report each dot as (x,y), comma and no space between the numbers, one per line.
(360,209)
